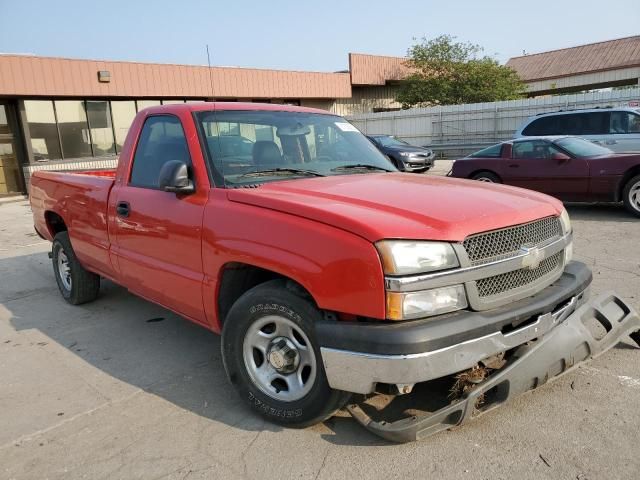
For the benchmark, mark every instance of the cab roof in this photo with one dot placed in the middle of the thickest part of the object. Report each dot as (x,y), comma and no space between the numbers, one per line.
(221,106)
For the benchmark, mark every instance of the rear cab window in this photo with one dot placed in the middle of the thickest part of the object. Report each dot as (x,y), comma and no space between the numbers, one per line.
(162,139)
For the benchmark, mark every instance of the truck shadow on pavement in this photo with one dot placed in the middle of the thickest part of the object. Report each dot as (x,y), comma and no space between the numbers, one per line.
(144,345)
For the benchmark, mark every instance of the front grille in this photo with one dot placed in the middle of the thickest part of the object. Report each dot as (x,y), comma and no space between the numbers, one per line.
(505,282)
(507,242)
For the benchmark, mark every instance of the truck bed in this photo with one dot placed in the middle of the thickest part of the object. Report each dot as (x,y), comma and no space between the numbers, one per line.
(81,198)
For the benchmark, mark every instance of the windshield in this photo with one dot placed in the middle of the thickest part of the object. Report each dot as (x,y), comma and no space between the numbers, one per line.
(249,147)
(389,141)
(582,148)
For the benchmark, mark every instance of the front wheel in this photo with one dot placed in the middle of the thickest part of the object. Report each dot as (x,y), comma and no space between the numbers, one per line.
(272,358)
(631,195)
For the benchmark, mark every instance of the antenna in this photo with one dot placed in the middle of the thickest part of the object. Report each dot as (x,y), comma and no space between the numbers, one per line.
(210,74)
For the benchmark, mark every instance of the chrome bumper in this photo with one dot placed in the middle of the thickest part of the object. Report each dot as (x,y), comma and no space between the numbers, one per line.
(360,372)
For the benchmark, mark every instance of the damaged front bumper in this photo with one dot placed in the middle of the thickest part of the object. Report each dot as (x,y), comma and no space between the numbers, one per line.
(360,372)
(590,330)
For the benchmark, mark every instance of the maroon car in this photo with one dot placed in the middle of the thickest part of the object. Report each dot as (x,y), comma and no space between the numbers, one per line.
(570,168)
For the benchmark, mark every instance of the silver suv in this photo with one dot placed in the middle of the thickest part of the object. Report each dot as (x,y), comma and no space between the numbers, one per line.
(615,128)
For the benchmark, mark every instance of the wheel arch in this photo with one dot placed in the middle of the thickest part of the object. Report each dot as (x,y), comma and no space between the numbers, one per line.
(236,278)
(628,175)
(54,222)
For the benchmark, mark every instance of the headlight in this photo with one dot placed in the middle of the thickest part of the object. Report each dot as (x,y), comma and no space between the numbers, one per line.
(425,303)
(409,154)
(565,221)
(405,257)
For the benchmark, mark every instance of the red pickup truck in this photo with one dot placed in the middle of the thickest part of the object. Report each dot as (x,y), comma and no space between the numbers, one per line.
(326,271)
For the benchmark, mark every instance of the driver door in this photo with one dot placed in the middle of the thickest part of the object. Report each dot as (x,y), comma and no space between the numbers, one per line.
(532,165)
(158,233)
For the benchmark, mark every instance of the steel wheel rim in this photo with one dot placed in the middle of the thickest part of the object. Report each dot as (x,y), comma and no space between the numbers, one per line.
(634,195)
(261,347)
(484,179)
(64,269)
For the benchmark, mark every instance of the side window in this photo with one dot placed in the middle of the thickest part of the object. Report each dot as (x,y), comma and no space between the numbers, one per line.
(633,123)
(596,123)
(522,150)
(495,151)
(624,122)
(161,140)
(538,149)
(542,126)
(571,124)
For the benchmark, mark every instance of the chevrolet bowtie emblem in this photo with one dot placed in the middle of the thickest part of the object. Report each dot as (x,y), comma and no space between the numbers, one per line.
(532,258)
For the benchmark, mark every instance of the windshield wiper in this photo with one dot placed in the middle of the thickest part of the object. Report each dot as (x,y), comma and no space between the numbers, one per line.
(278,171)
(359,166)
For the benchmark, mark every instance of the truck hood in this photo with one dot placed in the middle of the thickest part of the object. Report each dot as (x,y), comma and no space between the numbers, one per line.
(401,205)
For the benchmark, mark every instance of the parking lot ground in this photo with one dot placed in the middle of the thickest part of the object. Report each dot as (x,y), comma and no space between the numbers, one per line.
(121,388)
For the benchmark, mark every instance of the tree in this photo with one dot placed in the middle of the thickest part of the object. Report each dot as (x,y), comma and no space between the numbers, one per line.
(446,72)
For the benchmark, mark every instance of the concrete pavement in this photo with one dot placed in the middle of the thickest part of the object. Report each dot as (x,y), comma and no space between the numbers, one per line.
(121,388)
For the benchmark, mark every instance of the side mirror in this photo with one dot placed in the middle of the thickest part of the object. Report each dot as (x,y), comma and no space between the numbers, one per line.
(174,177)
(560,157)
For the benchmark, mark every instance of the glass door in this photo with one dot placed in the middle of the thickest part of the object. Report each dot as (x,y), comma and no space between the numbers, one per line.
(10,175)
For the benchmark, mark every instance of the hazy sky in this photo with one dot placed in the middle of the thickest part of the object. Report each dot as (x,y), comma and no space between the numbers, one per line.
(302,35)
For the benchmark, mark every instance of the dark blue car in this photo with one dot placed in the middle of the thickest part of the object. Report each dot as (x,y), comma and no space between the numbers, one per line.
(407,158)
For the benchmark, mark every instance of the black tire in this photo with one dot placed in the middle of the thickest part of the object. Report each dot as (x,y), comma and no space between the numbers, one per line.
(279,299)
(79,285)
(631,195)
(485,176)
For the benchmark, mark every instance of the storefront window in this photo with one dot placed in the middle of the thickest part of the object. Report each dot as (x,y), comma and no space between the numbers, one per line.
(45,143)
(4,121)
(123,113)
(147,103)
(101,128)
(74,130)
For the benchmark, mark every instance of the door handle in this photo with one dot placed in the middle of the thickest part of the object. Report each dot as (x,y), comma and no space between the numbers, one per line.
(514,165)
(123,209)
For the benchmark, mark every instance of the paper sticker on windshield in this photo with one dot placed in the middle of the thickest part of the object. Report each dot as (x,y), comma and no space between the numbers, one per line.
(346,127)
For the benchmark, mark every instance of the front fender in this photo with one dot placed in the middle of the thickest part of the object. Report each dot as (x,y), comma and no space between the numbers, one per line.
(342,271)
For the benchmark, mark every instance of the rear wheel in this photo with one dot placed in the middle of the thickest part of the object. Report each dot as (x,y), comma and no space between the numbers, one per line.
(76,284)
(272,358)
(486,177)
(631,195)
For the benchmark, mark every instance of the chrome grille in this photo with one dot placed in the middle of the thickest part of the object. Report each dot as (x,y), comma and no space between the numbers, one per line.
(505,282)
(504,243)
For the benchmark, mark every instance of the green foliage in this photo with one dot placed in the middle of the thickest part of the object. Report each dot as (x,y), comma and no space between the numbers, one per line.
(446,72)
